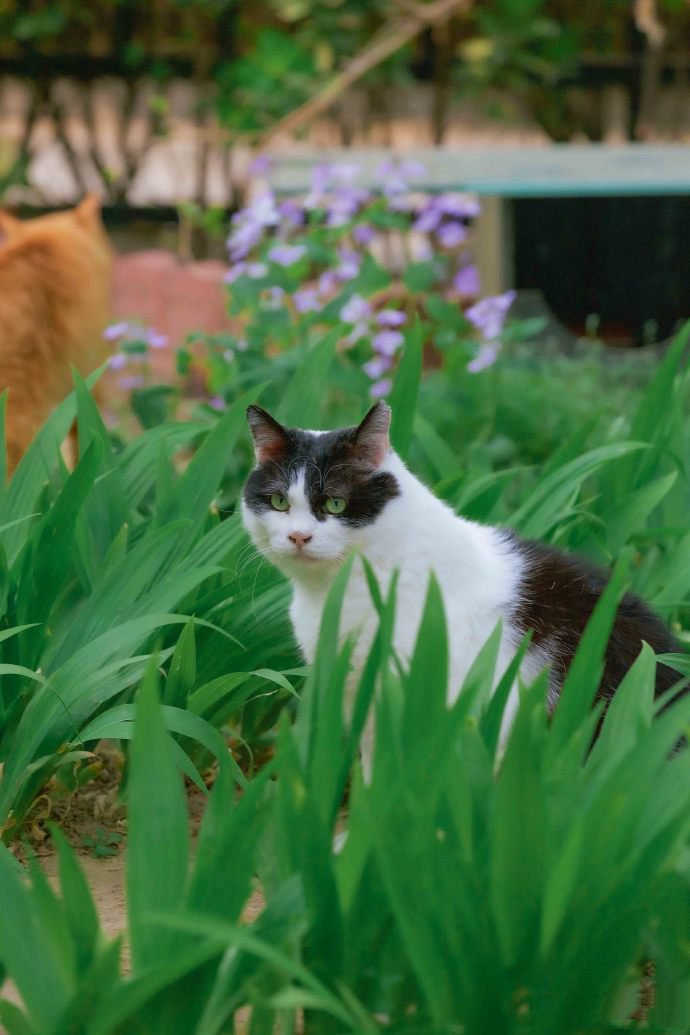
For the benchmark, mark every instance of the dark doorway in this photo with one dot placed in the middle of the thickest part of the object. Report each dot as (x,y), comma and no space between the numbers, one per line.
(618,267)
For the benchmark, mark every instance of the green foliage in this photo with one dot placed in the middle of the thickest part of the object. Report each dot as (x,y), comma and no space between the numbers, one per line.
(515,891)
(481,887)
(101,559)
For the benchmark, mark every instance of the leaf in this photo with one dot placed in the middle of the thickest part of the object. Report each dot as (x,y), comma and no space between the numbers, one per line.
(196,487)
(28,956)
(584,675)
(157,816)
(182,672)
(80,910)
(538,514)
(34,469)
(403,397)
(302,402)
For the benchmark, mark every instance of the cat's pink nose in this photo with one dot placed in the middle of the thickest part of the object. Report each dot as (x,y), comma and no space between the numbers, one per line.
(299,539)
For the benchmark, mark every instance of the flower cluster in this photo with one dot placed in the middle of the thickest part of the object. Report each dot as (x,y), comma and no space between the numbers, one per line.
(305,255)
(489,317)
(386,338)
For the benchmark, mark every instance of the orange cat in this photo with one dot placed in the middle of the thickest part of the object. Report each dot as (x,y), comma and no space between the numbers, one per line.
(55,274)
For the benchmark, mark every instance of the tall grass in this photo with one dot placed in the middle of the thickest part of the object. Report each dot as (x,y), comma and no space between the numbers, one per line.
(100,569)
(128,556)
(472,894)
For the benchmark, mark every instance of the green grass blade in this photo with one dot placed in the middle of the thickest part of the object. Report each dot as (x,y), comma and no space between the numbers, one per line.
(182,672)
(157,817)
(302,402)
(26,953)
(403,397)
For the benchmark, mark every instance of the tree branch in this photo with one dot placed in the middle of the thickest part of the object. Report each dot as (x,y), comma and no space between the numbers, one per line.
(386,42)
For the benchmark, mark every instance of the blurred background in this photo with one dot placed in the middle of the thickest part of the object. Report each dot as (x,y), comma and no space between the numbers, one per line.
(162,106)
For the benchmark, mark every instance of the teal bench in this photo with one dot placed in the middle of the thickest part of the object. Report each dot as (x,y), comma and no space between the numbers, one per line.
(498,175)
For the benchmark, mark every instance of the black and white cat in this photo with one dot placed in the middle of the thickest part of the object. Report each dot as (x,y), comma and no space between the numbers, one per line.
(315,496)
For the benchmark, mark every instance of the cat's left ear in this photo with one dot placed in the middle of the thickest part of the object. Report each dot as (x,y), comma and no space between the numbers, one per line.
(9,225)
(270,437)
(371,437)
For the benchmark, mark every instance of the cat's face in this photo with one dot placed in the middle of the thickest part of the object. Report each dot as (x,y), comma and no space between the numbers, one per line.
(312,494)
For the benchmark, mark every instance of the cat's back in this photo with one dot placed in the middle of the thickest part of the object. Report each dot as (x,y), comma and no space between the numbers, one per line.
(55,283)
(557,595)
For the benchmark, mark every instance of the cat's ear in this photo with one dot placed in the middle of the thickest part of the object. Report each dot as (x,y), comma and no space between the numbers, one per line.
(88,211)
(270,437)
(371,436)
(9,225)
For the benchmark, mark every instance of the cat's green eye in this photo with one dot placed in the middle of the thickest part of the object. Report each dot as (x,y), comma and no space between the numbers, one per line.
(279,502)
(335,505)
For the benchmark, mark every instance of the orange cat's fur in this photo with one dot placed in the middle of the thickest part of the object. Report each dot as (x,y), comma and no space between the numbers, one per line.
(55,274)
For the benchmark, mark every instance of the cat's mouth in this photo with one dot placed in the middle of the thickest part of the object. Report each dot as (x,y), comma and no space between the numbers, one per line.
(305,558)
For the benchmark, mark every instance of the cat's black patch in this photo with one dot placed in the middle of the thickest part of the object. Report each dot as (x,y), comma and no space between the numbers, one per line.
(332,466)
(556,599)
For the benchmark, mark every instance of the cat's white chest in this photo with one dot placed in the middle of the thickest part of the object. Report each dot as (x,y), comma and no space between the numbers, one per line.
(473,603)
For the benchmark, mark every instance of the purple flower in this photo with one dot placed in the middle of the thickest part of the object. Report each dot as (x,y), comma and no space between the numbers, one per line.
(133,381)
(386,343)
(118,361)
(390,318)
(466,281)
(364,234)
(355,309)
(394,175)
(116,330)
(217,402)
(261,165)
(327,179)
(452,234)
(263,211)
(321,176)
(307,300)
(287,254)
(359,331)
(486,357)
(374,368)
(274,300)
(243,238)
(291,212)
(249,225)
(328,282)
(350,262)
(489,315)
(343,205)
(155,339)
(235,272)
(428,219)
(381,388)
(256,270)
(228,355)
(458,205)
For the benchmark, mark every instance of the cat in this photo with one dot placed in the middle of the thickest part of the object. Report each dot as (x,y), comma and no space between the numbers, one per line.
(55,273)
(315,497)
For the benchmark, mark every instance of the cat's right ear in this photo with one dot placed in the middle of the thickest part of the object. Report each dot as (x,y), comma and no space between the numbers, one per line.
(270,437)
